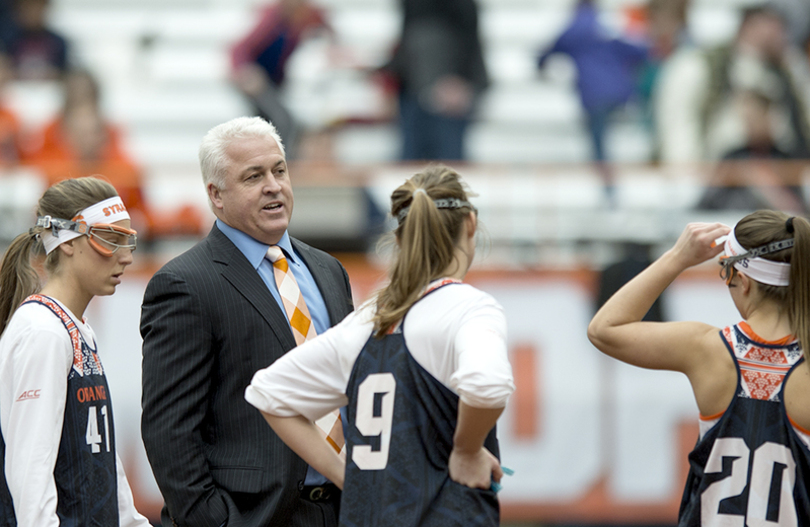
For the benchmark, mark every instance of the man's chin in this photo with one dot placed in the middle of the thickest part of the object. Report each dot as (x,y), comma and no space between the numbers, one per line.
(271,233)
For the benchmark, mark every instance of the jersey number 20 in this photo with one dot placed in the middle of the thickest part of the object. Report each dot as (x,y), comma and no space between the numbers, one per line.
(763,462)
(374,418)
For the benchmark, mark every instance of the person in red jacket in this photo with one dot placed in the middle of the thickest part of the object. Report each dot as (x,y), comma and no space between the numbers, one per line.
(259,61)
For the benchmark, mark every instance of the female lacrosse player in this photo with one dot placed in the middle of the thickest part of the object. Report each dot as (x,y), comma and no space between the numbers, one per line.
(58,441)
(751,380)
(423,369)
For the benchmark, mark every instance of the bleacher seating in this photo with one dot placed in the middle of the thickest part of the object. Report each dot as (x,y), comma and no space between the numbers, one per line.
(163,66)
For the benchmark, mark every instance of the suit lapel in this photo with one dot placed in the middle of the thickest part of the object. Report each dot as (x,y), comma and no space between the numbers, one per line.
(236,269)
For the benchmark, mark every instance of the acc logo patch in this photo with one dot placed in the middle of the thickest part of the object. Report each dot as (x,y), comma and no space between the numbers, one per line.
(30,394)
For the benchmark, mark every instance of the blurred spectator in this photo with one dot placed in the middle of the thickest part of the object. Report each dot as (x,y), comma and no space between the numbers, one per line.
(756,175)
(607,69)
(9,123)
(438,67)
(7,24)
(797,17)
(259,61)
(80,141)
(37,52)
(663,23)
(696,115)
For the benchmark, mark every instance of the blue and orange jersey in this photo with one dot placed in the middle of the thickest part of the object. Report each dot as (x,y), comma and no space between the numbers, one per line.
(751,467)
(399,435)
(85,473)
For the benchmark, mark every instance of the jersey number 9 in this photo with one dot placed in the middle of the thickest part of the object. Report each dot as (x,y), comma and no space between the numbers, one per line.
(374,418)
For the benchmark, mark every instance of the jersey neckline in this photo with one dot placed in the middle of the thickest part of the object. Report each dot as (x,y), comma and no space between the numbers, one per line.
(751,334)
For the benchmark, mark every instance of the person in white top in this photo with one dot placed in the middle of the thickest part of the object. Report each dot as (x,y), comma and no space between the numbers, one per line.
(422,370)
(57,440)
(751,380)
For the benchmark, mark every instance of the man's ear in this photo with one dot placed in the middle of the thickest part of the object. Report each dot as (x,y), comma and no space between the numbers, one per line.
(214,195)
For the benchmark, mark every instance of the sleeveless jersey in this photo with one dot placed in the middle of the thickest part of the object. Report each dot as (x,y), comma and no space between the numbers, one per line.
(751,468)
(399,435)
(85,471)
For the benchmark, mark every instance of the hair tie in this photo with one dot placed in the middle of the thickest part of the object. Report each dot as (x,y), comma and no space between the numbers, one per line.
(442,203)
(417,191)
(789,225)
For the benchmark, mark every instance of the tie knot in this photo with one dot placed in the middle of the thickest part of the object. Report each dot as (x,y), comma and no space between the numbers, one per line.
(274,253)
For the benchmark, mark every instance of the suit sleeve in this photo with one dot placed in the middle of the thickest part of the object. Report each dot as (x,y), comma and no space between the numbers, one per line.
(348,286)
(178,360)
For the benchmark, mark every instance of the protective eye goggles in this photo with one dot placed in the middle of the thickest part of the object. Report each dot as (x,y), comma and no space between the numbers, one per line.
(727,269)
(104,238)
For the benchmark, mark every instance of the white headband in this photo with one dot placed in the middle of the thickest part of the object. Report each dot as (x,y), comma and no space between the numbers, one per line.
(108,211)
(759,269)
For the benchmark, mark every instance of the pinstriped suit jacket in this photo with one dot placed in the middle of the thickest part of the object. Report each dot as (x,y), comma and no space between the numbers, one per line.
(208,323)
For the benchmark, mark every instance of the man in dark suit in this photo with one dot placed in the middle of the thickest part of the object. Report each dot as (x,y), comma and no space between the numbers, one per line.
(210,319)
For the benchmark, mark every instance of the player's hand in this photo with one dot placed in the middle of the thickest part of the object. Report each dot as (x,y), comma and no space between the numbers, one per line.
(477,469)
(697,243)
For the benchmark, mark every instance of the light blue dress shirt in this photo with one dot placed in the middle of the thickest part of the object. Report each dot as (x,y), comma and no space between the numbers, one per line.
(255,252)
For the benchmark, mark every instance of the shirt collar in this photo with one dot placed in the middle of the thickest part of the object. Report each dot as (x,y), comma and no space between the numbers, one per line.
(253,249)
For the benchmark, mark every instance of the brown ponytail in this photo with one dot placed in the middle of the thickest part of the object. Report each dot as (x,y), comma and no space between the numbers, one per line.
(799,290)
(425,239)
(766,226)
(18,277)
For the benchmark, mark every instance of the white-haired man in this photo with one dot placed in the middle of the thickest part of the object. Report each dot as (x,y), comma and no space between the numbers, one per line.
(212,317)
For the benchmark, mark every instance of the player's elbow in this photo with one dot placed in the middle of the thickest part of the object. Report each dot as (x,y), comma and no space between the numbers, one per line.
(599,334)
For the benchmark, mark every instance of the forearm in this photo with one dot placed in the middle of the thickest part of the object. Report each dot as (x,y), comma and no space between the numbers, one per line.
(634,299)
(617,328)
(29,470)
(32,444)
(307,440)
(127,514)
(32,429)
(470,463)
(473,426)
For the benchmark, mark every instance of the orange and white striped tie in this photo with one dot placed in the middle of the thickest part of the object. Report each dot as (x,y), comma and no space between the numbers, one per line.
(303,330)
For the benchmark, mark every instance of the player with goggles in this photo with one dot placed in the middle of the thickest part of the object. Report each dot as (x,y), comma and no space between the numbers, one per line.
(57,433)
(769,272)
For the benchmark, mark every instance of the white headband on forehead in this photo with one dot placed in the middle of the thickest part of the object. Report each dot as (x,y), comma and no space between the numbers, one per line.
(108,211)
(759,269)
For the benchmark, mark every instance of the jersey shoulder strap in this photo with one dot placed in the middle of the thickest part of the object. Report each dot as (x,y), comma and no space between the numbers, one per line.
(67,321)
(430,289)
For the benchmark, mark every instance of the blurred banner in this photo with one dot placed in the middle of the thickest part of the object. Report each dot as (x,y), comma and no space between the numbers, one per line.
(590,439)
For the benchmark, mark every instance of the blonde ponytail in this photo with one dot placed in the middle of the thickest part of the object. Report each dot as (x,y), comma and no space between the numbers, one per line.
(425,239)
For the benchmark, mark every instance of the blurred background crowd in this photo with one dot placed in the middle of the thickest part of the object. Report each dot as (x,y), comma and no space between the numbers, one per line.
(592,129)
(718,89)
